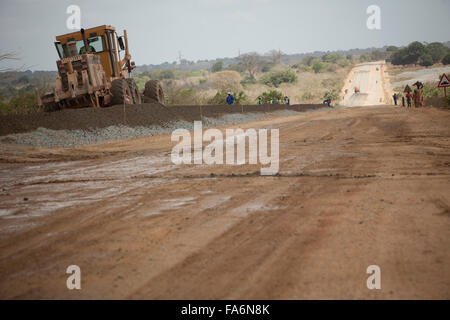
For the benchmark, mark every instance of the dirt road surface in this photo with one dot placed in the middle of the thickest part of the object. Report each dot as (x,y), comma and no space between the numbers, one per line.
(356,187)
(370,79)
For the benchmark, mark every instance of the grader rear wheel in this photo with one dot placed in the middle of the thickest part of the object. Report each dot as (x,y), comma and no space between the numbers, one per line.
(121,92)
(153,90)
(137,99)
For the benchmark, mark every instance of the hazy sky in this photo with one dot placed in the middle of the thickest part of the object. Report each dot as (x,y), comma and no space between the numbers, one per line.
(208,29)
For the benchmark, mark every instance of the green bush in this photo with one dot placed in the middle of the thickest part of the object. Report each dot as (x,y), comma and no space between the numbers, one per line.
(274,79)
(343,63)
(237,67)
(179,96)
(221,98)
(267,66)
(163,74)
(248,80)
(301,67)
(430,91)
(332,67)
(331,58)
(333,95)
(217,66)
(267,96)
(19,104)
(240,98)
(309,60)
(318,66)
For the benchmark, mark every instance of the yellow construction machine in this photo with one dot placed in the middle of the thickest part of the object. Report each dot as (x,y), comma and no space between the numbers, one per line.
(92,73)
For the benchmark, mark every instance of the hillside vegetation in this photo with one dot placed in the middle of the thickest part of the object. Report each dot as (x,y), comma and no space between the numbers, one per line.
(304,78)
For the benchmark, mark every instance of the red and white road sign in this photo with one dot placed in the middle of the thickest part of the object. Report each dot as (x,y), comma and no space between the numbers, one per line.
(444,82)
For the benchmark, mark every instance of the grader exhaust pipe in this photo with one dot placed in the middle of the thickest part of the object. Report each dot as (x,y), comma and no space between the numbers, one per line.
(86,45)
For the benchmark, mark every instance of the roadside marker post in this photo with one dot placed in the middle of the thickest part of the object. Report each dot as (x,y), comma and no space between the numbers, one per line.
(444,83)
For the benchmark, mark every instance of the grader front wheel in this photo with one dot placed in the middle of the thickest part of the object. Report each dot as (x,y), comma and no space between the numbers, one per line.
(121,92)
(154,91)
(137,99)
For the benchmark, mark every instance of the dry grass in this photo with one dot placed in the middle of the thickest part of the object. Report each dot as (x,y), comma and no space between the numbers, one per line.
(310,87)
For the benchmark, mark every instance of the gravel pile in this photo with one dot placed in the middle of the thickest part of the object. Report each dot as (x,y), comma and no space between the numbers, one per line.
(71,128)
(43,137)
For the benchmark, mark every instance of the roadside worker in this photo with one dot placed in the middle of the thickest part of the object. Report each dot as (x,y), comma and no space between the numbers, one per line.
(287,100)
(259,100)
(408,99)
(327,101)
(395,98)
(230,98)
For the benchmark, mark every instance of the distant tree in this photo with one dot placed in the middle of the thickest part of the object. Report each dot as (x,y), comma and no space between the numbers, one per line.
(408,55)
(22,80)
(391,49)
(437,51)
(413,51)
(275,56)
(309,60)
(251,63)
(217,66)
(426,60)
(332,58)
(349,57)
(364,57)
(377,55)
(446,59)
(163,74)
(238,67)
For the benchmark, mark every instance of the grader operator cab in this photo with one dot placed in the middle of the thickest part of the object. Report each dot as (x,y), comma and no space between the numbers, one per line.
(92,73)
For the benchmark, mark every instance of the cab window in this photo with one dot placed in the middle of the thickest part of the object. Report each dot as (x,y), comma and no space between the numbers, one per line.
(96,44)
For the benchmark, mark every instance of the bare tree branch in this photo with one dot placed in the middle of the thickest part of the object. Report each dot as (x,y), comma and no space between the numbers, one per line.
(9,56)
(275,56)
(251,62)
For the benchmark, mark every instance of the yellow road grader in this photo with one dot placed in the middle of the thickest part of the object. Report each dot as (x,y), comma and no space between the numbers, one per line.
(92,73)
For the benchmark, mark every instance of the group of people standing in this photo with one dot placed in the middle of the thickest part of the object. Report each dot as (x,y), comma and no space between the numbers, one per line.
(286,100)
(416,98)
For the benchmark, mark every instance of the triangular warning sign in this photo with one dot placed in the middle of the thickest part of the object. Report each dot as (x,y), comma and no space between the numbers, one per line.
(444,82)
